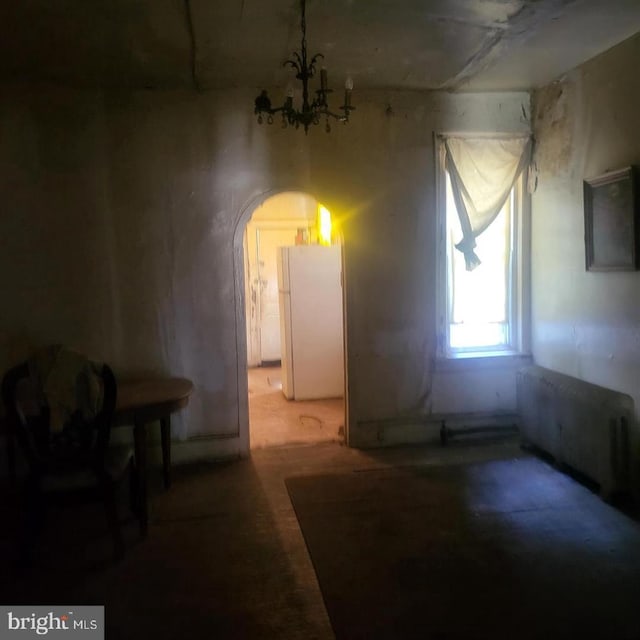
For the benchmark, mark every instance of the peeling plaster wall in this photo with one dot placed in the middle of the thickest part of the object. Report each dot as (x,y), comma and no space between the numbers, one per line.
(121,209)
(585,324)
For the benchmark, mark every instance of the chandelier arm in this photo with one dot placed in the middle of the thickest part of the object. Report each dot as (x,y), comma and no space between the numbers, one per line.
(312,64)
(337,116)
(292,63)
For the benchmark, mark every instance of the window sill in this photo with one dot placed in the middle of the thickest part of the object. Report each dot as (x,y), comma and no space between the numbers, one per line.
(484,360)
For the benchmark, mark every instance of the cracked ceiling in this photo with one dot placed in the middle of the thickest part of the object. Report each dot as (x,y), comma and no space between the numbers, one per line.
(392,44)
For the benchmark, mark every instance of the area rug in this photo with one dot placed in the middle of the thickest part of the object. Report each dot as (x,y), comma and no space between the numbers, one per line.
(498,550)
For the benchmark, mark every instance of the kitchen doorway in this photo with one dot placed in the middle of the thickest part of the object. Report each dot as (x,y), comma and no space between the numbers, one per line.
(295,360)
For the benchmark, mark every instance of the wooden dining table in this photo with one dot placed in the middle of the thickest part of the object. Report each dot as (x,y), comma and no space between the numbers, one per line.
(140,403)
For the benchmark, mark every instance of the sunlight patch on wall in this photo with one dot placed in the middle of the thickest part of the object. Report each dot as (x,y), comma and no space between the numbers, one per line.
(324,225)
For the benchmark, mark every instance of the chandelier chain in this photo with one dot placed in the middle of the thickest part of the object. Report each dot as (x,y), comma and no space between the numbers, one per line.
(303,27)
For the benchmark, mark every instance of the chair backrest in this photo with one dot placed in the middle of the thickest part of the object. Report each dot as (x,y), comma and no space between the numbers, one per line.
(81,442)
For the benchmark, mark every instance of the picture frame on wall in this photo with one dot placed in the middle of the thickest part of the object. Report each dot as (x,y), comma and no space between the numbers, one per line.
(611,221)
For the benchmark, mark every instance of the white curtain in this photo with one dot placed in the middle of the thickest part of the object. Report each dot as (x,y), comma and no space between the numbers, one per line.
(482,172)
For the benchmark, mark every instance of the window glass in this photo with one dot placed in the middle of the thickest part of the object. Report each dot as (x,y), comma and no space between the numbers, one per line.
(479,300)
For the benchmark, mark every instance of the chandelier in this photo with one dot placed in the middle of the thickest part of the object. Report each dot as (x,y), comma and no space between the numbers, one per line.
(311,112)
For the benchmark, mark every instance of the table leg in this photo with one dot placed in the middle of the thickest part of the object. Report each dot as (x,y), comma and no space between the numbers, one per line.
(165,435)
(140,444)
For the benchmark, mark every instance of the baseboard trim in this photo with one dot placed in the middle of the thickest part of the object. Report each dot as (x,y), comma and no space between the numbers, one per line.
(397,431)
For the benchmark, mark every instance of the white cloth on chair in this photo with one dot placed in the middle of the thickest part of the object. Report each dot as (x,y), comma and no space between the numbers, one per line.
(69,383)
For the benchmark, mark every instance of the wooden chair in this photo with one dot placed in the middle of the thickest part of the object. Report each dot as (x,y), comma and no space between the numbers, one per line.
(79,461)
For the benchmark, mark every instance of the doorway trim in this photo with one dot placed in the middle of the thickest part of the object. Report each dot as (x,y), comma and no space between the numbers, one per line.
(241,320)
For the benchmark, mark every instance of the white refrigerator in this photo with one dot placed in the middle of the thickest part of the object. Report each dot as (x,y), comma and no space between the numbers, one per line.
(310,295)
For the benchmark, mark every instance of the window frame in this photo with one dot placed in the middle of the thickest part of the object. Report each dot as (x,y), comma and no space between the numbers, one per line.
(519,271)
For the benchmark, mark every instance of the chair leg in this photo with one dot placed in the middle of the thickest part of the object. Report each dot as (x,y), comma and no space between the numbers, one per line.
(109,498)
(134,499)
(32,520)
(11,458)
(165,437)
(140,443)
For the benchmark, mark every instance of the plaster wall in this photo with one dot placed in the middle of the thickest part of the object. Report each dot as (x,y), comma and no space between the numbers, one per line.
(585,324)
(121,235)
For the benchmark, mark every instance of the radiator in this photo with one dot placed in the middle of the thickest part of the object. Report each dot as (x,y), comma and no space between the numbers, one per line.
(582,425)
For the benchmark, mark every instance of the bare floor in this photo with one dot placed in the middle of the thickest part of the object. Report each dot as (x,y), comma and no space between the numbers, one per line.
(225,556)
(276,421)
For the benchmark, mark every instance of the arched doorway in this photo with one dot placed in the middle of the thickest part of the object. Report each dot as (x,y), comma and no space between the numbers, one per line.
(293,322)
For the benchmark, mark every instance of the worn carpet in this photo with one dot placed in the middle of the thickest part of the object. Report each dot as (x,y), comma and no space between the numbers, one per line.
(508,549)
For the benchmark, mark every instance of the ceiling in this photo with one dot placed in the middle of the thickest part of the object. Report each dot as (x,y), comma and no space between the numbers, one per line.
(469,45)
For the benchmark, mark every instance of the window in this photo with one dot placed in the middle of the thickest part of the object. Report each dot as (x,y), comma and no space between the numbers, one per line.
(481,312)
